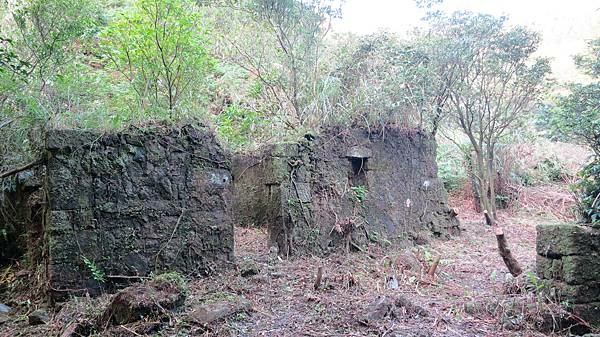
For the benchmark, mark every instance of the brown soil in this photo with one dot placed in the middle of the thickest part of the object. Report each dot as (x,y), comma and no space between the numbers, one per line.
(468,296)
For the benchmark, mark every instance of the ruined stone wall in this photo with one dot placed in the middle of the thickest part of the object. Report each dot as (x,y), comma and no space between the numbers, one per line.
(123,205)
(251,198)
(21,203)
(568,256)
(345,188)
(135,202)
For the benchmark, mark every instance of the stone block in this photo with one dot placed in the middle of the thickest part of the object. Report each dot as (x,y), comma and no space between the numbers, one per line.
(567,239)
(309,189)
(581,269)
(69,139)
(549,268)
(134,202)
(584,293)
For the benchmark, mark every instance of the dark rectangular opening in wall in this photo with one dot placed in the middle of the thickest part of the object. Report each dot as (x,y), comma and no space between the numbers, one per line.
(358,176)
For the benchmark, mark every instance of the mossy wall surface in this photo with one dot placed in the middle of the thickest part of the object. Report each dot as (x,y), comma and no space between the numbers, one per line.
(21,204)
(344,188)
(568,256)
(122,205)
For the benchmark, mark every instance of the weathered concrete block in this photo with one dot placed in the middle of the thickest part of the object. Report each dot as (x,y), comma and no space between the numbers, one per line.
(569,255)
(132,203)
(581,269)
(549,268)
(567,239)
(345,180)
(590,312)
(583,293)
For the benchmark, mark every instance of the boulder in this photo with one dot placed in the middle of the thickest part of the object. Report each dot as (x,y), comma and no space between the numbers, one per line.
(39,316)
(248,268)
(384,307)
(215,311)
(142,300)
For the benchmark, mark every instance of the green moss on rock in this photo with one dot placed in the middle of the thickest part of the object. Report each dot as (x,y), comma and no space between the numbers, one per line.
(564,239)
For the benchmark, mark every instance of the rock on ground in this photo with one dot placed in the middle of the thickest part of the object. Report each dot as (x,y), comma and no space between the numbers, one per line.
(211,312)
(142,300)
(384,307)
(248,268)
(5,309)
(39,316)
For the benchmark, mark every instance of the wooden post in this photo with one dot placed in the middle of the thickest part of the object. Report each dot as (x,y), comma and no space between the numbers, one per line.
(434,266)
(509,260)
(319,277)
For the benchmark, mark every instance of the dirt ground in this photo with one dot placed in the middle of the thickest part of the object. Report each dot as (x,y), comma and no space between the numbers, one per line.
(471,294)
(468,296)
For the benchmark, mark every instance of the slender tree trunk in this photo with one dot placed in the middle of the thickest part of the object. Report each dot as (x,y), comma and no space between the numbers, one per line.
(483,182)
(475,181)
(491,166)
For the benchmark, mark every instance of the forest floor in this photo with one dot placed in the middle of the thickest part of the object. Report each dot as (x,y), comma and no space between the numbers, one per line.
(471,294)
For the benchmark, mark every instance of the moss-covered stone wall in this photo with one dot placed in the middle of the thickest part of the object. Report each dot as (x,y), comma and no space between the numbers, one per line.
(344,188)
(21,205)
(120,206)
(568,256)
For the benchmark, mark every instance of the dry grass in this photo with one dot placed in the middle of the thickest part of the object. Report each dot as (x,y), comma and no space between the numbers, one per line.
(468,297)
(571,156)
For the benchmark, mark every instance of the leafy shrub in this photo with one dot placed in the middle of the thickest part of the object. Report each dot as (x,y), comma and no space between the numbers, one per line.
(551,170)
(238,125)
(451,170)
(360,193)
(97,273)
(588,189)
(160,49)
(578,117)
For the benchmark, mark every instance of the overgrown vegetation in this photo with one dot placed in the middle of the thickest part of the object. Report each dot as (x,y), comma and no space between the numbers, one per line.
(97,273)
(161,49)
(260,71)
(577,117)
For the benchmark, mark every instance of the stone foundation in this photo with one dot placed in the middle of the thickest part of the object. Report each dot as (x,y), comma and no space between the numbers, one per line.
(117,206)
(568,256)
(344,188)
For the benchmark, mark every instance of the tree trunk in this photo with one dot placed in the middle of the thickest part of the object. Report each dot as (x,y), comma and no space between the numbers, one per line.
(483,183)
(434,265)
(491,167)
(475,181)
(509,260)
